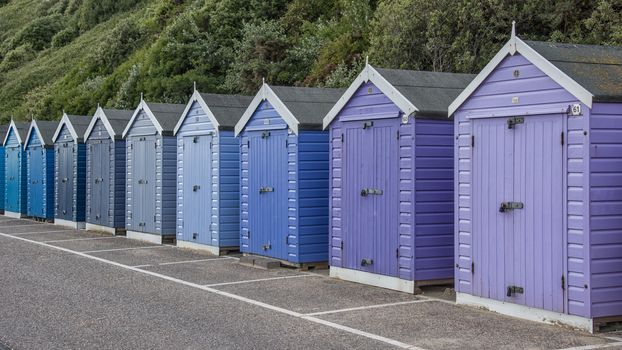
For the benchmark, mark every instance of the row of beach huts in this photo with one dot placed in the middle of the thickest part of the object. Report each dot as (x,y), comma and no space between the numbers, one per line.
(507,184)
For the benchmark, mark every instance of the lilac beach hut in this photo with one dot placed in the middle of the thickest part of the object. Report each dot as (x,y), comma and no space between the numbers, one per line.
(391,186)
(539,184)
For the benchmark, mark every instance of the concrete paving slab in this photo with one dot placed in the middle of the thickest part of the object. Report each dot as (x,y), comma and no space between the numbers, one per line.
(56,300)
(153,256)
(117,242)
(19,222)
(227,270)
(316,294)
(437,325)
(27,228)
(60,235)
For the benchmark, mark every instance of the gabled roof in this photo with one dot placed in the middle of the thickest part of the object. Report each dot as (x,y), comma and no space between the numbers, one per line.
(21,131)
(76,124)
(45,130)
(588,72)
(424,94)
(223,111)
(298,106)
(164,116)
(115,121)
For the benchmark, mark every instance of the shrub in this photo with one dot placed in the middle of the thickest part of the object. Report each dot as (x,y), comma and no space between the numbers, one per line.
(64,37)
(17,57)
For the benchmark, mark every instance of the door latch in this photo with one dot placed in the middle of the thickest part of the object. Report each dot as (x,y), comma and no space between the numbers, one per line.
(367,262)
(367,125)
(507,206)
(373,191)
(265,134)
(516,120)
(266,246)
(514,290)
(194,235)
(266,189)
(196,188)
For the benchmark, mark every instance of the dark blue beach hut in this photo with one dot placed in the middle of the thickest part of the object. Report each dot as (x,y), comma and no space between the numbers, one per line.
(208,172)
(39,150)
(70,171)
(284,174)
(539,184)
(391,191)
(105,170)
(151,171)
(3,130)
(15,170)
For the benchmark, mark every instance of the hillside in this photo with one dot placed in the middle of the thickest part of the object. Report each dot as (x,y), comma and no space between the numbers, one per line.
(73,54)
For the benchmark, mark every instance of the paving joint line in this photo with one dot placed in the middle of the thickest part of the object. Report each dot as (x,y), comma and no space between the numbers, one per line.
(255,280)
(330,312)
(295,314)
(35,233)
(117,249)
(595,346)
(182,262)
(80,239)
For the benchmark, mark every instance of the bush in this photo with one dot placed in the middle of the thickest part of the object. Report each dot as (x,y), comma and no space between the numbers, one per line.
(115,48)
(39,32)
(17,57)
(64,37)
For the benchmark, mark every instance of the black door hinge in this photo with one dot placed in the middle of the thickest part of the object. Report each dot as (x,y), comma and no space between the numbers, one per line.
(398,134)
(341,245)
(286,143)
(563,282)
(472,268)
(397,253)
(472,141)
(342,138)
(563,141)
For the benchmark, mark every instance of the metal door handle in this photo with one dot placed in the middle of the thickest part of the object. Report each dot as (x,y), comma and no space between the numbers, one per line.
(64,179)
(196,188)
(507,206)
(367,262)
(266,189)
(375,191)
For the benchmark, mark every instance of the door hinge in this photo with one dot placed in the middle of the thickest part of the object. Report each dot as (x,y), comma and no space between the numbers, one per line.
(397,253)
(155,144)
(286,143)
(563,282)
(248,234)
(248,144)
(131,146)
(342,245)
(154,218)
(398,134)
(472,268)
(563,141)
(472,141)
(342,138)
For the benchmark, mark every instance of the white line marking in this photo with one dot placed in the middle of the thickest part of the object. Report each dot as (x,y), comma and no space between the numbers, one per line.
(369,307)
(14,226)
(119,249)
(80,239)
(193,261)
(35,233)
(618,339)
(141,266)
(376,337)
(596,346)
(257,280)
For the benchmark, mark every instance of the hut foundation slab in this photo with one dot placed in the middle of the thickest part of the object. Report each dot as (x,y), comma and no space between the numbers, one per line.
(373,279)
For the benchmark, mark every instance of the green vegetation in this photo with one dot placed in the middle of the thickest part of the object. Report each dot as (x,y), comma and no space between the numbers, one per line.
(73,54)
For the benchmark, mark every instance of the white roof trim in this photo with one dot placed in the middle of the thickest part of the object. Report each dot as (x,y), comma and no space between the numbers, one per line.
(370,74)
(34,126)
(196,97)
(99,114)
(8,131)
(515,44)
(143,106)
(266,93)
(65,121)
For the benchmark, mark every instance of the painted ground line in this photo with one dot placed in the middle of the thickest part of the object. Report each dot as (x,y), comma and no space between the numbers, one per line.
(81,239)
(313,319)
(14,226)
(257,280)
(120,249)
(369,307)
(595,346)
(36,233)
(182,262)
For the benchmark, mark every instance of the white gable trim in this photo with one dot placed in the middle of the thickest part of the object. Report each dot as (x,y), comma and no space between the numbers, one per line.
(143,106)
(65,121)
(196,97)
(99,115)
(34,126)
(370,74)
(266,93)
(8,131)
(515,44)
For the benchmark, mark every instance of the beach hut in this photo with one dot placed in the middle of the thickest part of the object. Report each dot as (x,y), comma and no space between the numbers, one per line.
(151,171)
(39,150)
(539,184)
(70,171)
(105,170)
(284,174)
(391,192)
(15,170)
(208,172)
(3,130)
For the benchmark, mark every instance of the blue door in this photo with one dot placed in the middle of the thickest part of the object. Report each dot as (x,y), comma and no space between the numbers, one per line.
(65,181)
(144,183)
(197,189)
(13,162)
(99,182)
(268,188)
(36,163)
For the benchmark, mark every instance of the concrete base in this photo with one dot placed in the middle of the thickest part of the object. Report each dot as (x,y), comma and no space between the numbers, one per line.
(14,215)
(526,312)
(191,245)
(373,279)
(101,228)
(71,224)
(147,237)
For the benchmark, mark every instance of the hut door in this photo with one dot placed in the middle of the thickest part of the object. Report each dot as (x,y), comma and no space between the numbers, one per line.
(12,179)
(268,187)
(371,210)
(138,169)
(104,182)
(65,181)
(96,196)
(36,161)
(197,189)
(518,210)
(149,186)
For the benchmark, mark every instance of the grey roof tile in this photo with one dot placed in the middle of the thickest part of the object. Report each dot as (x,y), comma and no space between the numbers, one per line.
(167,114)
(308,105)
(227,109)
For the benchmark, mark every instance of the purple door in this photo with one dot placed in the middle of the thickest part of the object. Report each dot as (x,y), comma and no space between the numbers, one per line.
(517,210)
(370,191)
